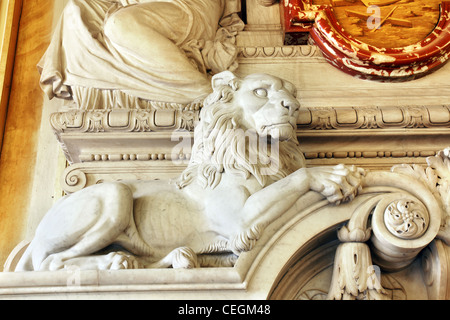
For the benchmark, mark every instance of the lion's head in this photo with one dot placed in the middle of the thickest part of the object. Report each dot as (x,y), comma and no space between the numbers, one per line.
(247,126)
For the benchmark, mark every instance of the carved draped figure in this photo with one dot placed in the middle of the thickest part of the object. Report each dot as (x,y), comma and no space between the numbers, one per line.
(124,53)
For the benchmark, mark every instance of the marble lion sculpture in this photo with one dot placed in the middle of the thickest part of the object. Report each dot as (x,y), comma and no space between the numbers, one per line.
(218,208)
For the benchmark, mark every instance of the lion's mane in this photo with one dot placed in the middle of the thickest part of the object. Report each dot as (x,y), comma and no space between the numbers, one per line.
(221,144)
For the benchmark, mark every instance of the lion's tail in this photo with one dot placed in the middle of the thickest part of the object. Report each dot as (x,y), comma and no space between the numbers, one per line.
(216,247)
(25,262)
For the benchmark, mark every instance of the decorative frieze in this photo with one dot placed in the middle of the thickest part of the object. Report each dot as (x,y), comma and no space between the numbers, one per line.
(311,118)
(368,154)
(124,120)
(118,134)
(375,117)
(373,133)
(89,157)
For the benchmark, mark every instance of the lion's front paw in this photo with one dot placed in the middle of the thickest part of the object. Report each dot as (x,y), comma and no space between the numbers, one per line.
(246,240)
(338,184)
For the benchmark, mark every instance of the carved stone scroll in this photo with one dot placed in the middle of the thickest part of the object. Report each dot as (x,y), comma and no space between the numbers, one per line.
(79,176)
(407,216)
(435,264)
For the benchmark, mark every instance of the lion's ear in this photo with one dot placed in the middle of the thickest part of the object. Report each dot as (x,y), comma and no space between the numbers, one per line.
(222,79)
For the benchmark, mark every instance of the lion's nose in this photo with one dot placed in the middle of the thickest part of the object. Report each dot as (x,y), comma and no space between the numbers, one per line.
(291,105)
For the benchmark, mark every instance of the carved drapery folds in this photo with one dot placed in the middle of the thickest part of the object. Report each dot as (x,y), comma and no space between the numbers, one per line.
(98,62)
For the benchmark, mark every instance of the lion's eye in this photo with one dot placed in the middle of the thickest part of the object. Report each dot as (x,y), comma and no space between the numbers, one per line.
(261,92)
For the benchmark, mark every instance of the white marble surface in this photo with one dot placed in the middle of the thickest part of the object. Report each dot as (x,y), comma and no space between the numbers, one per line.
(310,223)
(221,204)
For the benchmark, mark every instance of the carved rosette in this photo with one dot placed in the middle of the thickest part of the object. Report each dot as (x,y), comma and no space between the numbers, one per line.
(406,219)
(436,177)
(403,224)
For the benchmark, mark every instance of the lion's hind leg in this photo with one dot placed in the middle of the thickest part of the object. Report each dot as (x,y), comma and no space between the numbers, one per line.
(81,225)
(116,260)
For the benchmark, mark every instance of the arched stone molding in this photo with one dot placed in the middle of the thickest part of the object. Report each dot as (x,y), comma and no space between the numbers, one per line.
(311,230)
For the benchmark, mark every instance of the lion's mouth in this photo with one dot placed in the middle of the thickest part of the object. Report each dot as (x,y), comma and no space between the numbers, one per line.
(277,125)
(281,131)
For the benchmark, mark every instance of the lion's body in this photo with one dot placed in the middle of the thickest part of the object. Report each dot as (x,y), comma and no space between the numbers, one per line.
(202,219)
(246,170)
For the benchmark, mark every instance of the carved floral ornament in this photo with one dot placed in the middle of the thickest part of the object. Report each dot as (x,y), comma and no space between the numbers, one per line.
(351,49)
(406,219)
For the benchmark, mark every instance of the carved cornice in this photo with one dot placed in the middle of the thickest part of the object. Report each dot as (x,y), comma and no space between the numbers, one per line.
(350,133)
(370,133)
(375,118)
(316,118)
(123,120)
